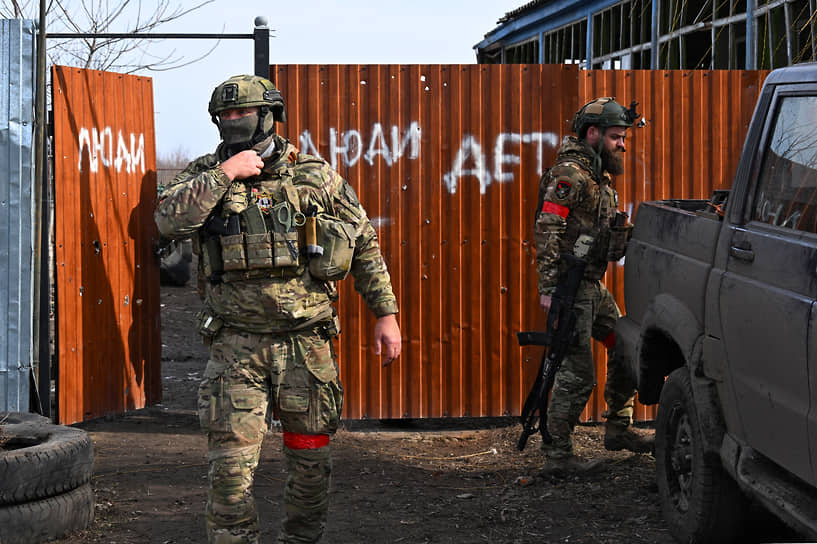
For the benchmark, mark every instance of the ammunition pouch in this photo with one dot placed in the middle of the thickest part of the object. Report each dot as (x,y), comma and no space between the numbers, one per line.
(337,238)
(617,246)
(233,254)
(211,262)
(253,240)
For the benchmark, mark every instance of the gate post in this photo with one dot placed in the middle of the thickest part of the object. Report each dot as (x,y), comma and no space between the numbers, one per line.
(261,39)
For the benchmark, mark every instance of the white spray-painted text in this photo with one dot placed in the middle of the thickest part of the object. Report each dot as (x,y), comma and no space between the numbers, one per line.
(348,145)
(347,148)
(99,144)
(470,160)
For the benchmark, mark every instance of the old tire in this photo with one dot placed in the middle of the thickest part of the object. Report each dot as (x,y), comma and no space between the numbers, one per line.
(13,418)
(41,460)
(47,519)
(700,502)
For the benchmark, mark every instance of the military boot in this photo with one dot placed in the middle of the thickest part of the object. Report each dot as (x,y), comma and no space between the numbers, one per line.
(559,466)
(620,437)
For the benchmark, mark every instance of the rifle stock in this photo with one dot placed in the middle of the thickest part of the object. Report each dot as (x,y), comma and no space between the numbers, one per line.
(560,335)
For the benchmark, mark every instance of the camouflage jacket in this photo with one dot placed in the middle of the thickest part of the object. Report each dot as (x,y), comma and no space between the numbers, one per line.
(291,301)
(573,202)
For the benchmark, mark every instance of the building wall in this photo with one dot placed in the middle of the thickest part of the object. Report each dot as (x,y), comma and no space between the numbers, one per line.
(657,34)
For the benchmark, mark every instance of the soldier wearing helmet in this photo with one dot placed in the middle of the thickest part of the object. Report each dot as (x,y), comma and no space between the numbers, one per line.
(274,230)
(577,214)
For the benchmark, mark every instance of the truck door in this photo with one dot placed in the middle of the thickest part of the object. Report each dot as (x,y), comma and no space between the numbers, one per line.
(767,296)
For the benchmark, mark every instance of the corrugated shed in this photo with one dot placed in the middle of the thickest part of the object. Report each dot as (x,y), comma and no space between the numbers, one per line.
(109,344)
(17,56)
(446,159)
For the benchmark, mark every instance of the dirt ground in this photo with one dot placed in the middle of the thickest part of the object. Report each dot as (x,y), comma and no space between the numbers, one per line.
(458,481)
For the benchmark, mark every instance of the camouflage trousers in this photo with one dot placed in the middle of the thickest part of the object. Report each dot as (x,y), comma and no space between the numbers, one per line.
(596,316)
(297,375)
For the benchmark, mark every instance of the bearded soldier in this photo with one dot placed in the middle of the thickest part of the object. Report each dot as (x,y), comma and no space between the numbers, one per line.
(274,230)
(577,215)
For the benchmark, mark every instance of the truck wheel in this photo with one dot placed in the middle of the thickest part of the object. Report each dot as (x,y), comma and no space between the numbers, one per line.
(49,518)
(700,502)
(39,459)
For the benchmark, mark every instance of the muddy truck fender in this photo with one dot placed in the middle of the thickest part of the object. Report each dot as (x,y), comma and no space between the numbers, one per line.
(666,274)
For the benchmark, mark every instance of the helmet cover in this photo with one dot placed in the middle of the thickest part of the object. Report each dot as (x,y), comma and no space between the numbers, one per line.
(603,112)
(246,91)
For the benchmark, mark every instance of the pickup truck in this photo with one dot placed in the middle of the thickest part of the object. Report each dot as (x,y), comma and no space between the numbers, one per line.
(721,329)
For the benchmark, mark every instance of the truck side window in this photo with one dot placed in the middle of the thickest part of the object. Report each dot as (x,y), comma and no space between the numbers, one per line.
(787,184)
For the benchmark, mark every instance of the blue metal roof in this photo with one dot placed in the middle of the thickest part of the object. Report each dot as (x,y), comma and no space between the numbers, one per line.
(538,16)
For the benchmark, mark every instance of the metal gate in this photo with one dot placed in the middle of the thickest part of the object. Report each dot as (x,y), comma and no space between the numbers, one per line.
(109,344)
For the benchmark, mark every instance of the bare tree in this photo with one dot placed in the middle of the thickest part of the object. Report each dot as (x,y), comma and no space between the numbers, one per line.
(125,55)
(170,164)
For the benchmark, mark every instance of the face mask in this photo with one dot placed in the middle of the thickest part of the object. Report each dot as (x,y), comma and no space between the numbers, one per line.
(238,131)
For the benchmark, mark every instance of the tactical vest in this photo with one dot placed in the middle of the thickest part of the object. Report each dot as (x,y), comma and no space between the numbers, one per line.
(594,236)
(265,227)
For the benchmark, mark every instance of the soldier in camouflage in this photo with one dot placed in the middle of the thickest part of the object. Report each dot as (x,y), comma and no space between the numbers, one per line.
(274,229)
(577,214)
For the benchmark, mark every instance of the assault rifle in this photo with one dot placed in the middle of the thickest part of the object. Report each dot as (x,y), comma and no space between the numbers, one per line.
(559,336)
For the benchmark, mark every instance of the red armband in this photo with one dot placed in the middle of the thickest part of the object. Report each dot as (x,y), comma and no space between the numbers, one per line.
(298,441)
(550,207)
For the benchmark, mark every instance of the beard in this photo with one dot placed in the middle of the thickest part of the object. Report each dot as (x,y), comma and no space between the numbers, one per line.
(612,161)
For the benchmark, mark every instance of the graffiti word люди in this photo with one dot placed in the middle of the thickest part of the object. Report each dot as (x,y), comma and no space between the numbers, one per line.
(348,145)
(99,144)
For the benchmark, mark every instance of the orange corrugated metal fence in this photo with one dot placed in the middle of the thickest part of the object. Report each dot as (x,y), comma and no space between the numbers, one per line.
(446,159)
(109,345)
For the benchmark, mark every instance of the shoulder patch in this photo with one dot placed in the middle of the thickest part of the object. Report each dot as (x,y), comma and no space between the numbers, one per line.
(562,188)
(306,158)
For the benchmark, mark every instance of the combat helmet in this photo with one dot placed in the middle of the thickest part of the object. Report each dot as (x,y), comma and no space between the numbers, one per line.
(603,112)
(246,91)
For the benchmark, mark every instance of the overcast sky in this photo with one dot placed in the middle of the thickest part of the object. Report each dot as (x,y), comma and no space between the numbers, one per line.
(309,32)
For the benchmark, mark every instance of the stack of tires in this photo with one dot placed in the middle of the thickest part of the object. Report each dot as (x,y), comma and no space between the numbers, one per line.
(45,479)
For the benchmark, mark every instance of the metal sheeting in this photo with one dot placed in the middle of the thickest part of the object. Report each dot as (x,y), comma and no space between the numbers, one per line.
(16,211)
(446,159)
(109,343)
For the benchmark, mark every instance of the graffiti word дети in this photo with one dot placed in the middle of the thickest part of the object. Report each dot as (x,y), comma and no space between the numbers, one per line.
(470,160)
(99,144)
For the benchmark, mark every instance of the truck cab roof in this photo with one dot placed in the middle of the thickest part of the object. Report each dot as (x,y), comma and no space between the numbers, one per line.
(798,73)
